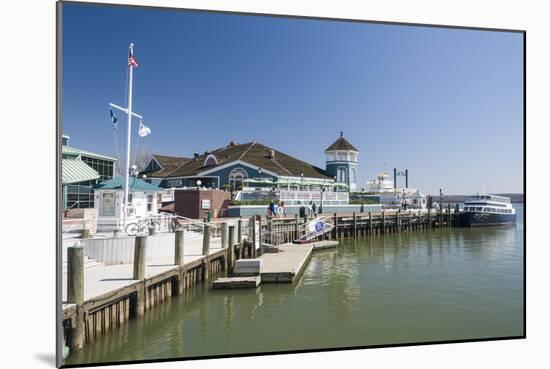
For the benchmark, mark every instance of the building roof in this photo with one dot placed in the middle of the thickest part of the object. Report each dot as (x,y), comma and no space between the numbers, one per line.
(341,144)
(167,163)
(72,151)
(254,154)
(135,185)
(75,171)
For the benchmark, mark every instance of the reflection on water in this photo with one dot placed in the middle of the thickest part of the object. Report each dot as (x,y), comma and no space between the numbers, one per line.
(424,286)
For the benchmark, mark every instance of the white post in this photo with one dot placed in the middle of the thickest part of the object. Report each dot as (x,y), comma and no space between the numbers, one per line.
(128,137)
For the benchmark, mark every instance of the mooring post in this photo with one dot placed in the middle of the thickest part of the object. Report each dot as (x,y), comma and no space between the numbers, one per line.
(457,215)
(253,238)
(240,233)
(178,252)
(336,226)
(354,225)
(230,251)
(398,220)
(383,229)
(206,239)
(370,223)
(448,214)
(75,295)
(296,227)
(260,236)
(224,235)
(140,247)
(440,215)
(269,230)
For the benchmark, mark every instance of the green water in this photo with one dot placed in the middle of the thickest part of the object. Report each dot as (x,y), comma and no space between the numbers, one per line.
(425,286)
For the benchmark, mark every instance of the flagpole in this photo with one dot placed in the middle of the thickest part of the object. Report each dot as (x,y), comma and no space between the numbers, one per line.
(128,136)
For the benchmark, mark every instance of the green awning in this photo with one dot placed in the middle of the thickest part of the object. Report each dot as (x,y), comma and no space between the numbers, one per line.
(75,171)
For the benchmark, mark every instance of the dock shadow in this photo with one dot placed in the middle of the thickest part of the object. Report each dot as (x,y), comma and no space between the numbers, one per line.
(47,358)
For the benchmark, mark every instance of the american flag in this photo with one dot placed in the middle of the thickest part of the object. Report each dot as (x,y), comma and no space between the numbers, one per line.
(131,60)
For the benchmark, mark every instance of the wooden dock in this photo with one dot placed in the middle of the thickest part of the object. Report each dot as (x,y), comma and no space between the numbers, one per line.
(100,299)
(286,265)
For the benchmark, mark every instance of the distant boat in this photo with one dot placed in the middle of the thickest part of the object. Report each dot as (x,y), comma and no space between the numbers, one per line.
(487,210)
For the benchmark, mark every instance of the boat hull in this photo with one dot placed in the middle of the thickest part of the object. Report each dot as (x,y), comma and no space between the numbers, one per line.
(468,219)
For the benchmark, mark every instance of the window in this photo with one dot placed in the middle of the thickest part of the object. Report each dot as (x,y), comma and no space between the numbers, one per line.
(174,183)
(353,175)
(150,203)
(210,160)
(341,175)
(108,204)
(353,156)
(479,208)
(236,178)
(130,199)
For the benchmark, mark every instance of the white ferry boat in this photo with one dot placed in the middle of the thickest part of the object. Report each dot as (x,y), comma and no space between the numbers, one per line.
(487,210)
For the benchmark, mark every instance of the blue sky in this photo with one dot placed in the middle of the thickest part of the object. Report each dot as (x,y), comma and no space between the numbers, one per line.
(447,104)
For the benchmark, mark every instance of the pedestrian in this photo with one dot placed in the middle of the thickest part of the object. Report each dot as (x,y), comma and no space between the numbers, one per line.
(271,209)
(281,210)
(314,209)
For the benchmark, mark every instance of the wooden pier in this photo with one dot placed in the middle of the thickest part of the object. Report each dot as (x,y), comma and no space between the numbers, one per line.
(102,299)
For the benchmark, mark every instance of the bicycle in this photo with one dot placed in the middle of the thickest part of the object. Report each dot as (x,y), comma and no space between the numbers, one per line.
(133,229)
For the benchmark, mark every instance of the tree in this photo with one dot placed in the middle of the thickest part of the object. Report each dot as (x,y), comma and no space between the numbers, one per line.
(141,158)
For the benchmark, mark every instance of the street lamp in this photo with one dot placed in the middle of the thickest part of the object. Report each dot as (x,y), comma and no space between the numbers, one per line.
(199,182)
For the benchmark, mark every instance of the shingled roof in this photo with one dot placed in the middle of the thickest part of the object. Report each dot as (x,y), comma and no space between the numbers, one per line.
(341,144)
(252,153)
(168,164)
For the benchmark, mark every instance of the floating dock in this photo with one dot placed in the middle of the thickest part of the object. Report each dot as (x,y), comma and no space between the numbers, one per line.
(286,265)
(236,282)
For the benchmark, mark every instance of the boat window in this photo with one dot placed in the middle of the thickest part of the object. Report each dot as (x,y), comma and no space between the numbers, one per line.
(478,208)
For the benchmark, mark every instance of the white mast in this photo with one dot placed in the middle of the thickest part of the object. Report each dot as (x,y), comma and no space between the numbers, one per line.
(128,110)
(128,135)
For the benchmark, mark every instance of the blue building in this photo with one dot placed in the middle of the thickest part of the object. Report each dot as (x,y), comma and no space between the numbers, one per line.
(342,161)
(81,170)
(233,167)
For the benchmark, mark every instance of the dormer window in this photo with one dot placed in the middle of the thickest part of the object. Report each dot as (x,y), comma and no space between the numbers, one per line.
(210,160)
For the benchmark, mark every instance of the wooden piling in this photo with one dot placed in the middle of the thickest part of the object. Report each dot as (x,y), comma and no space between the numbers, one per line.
(296,227)
(259,253)
(206,239)
(354,225)
(398,221)
(75,295)
(230,251)
(178,252)
(224,235)
(383,227)
(269,237)
(335,226)
(370,223)
(253,238)
(140,247)
(240,232)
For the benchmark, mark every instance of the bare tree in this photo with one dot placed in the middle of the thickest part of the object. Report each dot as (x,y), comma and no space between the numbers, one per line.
(141,158)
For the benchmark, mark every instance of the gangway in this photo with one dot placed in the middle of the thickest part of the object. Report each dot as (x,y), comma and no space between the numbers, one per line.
(316,227)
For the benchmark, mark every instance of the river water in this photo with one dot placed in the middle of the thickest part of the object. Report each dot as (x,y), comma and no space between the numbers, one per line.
(432,285)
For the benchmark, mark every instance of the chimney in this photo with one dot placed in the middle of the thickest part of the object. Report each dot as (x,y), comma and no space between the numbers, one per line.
(232,143)
(196,156)
(272,154)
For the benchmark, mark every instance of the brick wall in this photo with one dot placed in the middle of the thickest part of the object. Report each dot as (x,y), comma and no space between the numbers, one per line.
(187,203)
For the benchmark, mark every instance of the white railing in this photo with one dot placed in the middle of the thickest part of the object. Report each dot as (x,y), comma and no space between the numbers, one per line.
(307,196)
